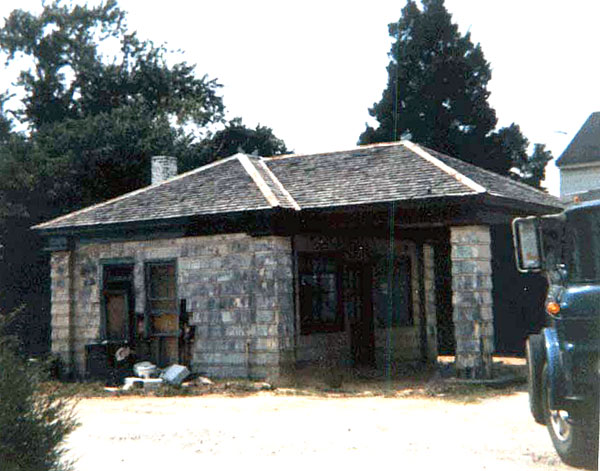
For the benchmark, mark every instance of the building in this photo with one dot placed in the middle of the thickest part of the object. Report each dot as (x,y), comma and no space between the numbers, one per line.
(579,164)
(252,266)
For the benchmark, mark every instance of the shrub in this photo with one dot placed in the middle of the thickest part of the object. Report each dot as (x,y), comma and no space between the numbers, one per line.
(33,424)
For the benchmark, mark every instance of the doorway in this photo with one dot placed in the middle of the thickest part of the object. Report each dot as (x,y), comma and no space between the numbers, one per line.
(357,301)
(118,304)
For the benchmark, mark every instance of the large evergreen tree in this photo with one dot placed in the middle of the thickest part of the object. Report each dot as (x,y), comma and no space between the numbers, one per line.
(437,96)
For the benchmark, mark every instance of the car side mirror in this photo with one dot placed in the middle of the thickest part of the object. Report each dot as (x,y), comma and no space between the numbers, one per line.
(528,252)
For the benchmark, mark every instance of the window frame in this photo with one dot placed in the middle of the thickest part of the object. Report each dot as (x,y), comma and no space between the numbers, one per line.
(310,324)
(148,311)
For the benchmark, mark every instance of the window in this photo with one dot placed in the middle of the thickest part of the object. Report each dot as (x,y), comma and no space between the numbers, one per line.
(162,311)
(401,302)
(320,309)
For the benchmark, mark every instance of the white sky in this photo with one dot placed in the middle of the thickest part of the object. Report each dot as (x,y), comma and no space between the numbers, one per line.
(311,69)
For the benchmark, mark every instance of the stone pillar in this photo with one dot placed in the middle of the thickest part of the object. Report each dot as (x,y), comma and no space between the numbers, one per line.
(61,274)
(430,304)
(472,300)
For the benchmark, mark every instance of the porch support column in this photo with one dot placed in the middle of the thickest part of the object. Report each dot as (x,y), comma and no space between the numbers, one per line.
(430,304)
(472,300)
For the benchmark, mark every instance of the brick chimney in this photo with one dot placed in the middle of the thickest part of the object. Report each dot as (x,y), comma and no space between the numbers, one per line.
(163,168)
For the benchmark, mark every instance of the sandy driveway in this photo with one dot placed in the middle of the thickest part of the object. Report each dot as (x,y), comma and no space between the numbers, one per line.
(272,431)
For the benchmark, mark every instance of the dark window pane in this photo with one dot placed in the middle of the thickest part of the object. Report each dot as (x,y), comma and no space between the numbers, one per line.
(319,302)
(162,281)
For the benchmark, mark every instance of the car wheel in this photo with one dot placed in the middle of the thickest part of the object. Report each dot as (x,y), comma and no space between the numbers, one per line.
(576,444)
(534,349)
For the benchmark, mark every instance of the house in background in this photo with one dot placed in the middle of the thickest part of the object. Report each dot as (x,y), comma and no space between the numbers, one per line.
(251,266)
(579,164)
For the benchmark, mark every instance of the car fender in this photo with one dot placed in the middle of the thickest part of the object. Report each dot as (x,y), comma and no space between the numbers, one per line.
(556,378)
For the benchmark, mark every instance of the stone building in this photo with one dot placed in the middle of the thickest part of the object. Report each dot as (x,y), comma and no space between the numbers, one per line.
(251,266)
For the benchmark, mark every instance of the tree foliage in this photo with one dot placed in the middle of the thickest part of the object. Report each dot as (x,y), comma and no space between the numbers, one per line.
(33,422)
(437,95)
(71,75)
(96,102)
(233,138)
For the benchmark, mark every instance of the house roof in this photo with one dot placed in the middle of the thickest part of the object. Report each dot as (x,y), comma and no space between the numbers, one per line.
(398,171)
(585,146)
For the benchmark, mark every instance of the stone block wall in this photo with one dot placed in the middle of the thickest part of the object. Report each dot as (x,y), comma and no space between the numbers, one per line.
(472,300)
(238,291)
(60,283)
(243,307)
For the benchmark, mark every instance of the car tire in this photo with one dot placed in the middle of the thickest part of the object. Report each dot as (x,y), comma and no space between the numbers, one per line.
(534,349)
(575,443)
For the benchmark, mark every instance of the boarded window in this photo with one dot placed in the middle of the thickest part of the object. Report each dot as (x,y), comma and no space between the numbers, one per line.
(162,311)
(116,315)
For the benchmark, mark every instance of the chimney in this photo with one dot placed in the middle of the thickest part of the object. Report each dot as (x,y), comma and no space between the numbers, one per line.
(163,168)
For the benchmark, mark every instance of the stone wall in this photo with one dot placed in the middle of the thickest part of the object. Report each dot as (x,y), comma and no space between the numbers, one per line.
(472,300)
(238,291)
(60,282)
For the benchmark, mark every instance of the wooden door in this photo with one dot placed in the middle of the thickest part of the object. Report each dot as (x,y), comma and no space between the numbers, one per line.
(118,317)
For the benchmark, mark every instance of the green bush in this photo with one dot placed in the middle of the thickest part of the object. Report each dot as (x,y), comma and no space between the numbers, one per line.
(33,423)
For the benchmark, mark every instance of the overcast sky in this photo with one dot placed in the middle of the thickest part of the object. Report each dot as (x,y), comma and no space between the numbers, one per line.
(311,69)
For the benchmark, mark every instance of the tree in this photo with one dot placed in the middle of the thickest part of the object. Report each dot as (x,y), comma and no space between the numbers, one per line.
(96,120)
(534,169)
(437,94)
(233,138)
(97,103)
(71,76)
(437,85)
(33,421)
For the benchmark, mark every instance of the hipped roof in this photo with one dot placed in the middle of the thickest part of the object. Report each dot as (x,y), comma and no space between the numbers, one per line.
(379,173)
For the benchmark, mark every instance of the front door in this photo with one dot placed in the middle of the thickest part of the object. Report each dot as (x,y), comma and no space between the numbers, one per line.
(118,317)
(358,306)
(117,300)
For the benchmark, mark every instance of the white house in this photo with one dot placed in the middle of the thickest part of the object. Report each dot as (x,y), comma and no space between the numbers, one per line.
(579,164)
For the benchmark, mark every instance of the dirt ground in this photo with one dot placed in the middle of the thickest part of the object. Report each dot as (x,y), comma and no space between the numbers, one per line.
(270,429)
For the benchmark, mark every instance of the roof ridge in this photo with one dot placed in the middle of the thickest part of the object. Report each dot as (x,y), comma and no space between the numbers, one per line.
(364,146)
(279,185)
(257,178)
(476,187)
(132,193)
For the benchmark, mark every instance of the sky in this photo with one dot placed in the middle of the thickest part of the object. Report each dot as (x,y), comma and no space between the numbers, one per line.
(311,69)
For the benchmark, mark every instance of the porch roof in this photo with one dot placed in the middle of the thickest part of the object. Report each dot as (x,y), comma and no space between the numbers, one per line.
(398,171)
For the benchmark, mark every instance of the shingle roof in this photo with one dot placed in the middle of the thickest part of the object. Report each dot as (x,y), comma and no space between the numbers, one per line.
(585,146)
(399,171)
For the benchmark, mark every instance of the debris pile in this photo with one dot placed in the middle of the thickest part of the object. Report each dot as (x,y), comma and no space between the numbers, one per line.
(148,376)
